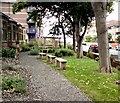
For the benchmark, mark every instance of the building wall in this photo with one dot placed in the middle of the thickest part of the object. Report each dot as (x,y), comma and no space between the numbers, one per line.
(20,17)
(11,31)
(112,29)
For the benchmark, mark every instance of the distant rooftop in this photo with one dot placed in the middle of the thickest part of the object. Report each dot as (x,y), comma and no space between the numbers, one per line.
(112,23)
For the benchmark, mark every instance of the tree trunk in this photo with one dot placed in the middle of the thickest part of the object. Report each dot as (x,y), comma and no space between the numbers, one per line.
(74,46)
(81,40)
(64,36)
(81,49)
(77,32)
(100,11)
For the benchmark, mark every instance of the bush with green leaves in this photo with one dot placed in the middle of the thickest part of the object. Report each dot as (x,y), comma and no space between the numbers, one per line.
(64,52)
(91,38)
(14,84)
(8,52)
(69,46)
(25,47)
(12,47)
(32,43)
(8,67)
(45,50)
(34,52)
(118,67)
(51,50)
(109,36)
(90,55)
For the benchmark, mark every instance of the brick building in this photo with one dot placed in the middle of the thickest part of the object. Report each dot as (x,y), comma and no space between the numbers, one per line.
(20,17)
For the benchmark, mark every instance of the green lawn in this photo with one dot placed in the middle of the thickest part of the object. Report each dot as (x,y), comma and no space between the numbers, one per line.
(84,74)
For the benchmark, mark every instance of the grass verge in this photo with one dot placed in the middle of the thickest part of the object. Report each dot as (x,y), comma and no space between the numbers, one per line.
(84,74)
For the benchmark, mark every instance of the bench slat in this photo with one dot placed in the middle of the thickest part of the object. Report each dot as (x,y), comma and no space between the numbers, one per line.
(61,60)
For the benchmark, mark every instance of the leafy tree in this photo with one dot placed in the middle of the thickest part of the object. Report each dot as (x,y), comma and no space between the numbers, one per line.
(76,13)
(81,14)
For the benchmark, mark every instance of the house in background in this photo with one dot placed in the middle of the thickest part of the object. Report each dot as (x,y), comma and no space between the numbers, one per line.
(20,17)
(113,27)
(32,29)
(11,31)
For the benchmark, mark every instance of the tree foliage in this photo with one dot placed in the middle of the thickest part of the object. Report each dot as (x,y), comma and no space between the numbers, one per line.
(79,14)
(109,36)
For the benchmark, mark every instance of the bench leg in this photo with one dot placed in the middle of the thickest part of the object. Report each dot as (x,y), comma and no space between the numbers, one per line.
(57,63)
(40,56)
(48,59)
(43,56)
(53,60)
(62,65)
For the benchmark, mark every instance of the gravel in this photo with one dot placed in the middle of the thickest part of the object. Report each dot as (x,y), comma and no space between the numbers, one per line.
(48,84)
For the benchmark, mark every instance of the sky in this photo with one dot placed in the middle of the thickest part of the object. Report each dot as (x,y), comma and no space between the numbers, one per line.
(114,14)
(8,0)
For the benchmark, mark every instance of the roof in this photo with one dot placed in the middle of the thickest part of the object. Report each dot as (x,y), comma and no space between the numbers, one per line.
(9,18)
(112,23)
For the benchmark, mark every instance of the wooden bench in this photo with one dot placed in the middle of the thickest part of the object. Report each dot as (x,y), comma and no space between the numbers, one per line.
(42,55)
(61,63)
(51,58)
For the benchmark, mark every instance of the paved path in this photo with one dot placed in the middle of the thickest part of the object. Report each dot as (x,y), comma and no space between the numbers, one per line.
(50,84)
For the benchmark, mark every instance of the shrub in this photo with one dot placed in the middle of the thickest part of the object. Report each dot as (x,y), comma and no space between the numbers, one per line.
(8,67)
(90,55)
(51,50)
(88,38)
(34,52)
(25,47)
(8,52)
(69,46)
(32,43)
(109,37)
(45,50)
(58,53)
(13,84)
(118,67)
(12,47)
(97,59)
(64,52)
(91,39)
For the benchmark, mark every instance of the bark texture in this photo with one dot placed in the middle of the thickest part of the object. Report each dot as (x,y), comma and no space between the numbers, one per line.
(100,10)
(77,32)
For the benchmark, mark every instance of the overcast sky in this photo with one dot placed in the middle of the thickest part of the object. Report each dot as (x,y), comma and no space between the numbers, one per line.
(8,0)
(114,14)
